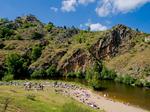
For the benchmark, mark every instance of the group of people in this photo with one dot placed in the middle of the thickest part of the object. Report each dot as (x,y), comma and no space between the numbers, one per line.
(30,86)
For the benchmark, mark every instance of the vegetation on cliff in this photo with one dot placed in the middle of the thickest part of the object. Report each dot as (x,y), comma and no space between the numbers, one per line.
(32,49)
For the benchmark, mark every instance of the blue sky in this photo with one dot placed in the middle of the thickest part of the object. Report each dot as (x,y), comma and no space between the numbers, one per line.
(98,14)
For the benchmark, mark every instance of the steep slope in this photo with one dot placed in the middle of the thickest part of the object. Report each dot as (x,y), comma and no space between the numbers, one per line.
(72,50)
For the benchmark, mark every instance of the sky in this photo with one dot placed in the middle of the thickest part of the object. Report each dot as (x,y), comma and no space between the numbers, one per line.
(99,15)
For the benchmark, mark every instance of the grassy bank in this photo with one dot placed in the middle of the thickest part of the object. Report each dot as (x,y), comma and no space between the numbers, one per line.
(17,99)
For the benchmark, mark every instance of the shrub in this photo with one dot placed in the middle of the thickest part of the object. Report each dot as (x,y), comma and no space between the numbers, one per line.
(36,52)
(8,77)
(71,74)
(1,45)
(39,74)
(49,26)
(16,66)
(146,84)
(119,79)
(79,74)
(6,32)
(36,35)
(93,78)
(139,83)
(51,72)
(128,80)
(108,74)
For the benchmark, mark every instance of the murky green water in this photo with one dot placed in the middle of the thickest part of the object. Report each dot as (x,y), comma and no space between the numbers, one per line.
(124,93)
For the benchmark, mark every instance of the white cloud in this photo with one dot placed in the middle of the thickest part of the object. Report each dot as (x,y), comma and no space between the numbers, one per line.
(97,27)
(85,2)
(68,5)
(107,7)
(54,9)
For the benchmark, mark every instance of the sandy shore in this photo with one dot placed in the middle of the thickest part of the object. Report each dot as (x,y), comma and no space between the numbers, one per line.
(96,101)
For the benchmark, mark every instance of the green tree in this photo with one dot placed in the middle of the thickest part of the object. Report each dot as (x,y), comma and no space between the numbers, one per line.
(36,52)
(16,66)
(93,76)
(37,35)
(39,74)
(49,26)
(51,72)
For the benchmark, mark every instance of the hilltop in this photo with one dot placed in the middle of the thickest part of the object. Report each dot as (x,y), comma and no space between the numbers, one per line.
(45,49)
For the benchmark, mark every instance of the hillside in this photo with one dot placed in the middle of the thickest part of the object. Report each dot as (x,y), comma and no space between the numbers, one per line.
(70,50)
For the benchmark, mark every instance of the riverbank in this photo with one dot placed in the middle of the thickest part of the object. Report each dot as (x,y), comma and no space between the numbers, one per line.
(94,100)
(87,97)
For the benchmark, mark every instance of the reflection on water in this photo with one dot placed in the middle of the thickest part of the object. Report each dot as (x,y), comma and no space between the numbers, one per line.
(128,94)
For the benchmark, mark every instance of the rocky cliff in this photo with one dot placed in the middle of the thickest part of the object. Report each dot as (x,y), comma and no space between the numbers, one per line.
(71,50)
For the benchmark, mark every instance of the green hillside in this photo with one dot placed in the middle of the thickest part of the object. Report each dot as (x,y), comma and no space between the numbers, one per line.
(32,49)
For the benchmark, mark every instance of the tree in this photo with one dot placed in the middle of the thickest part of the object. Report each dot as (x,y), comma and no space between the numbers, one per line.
(93,76)
(36,52)
(37,35)
(16,66)
(39,74)
(49,26)
(51,72)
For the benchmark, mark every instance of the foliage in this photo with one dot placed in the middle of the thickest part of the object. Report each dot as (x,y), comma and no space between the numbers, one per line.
(36,35)
(1,45)
(139,82)
(36,52)
(8,77)
(93,76)
(52,72)
(77,74)
(6,32)
(108,74)
(49,26)
(126,79)
(16,66)
(39,74)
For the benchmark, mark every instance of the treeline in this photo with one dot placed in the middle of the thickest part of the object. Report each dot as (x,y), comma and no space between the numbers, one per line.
(16,67)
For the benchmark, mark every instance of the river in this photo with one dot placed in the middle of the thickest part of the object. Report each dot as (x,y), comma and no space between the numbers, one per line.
(120,92)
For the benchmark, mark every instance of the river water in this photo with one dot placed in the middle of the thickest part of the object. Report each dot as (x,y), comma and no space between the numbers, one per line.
(120,92)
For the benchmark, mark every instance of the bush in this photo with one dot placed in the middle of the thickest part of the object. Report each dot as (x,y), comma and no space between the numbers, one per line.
(139,83)
(119,79)
(51,72)
(128,80)
(1,45)
(16,66)
(71,74)
(49,26)
(108,74)
(146,84)
(36,52)
(8,77)
(39,74)
(77,74)
(36,35)
(6,32)
(93,78)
